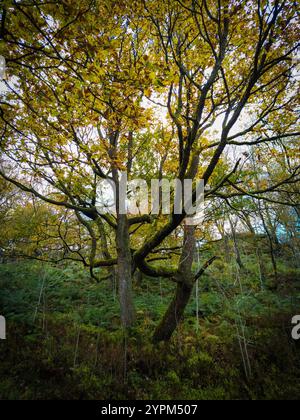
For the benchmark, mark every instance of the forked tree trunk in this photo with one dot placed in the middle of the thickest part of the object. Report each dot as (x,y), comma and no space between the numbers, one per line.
(185,280)
(124,272)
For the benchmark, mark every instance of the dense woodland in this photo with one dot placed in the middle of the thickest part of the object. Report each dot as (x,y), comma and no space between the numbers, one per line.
(105,305)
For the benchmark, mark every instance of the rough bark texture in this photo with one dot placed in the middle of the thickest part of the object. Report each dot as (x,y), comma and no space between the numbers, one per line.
(124,272)
(174,314)
(105,252)
(185,280)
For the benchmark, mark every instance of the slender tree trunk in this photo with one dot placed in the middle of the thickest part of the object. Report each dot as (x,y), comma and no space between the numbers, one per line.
(249,224)
(227,249)
(273,233)
(262,270)
(294,244)
(185,280)
(271,245)
(260,211)
(124,272)
(273,258)
(236,246)
(138,277)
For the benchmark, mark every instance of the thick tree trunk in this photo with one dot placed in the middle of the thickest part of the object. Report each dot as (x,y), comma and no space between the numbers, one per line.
(174,314)
(124,272)
(106,254)
(185,280)
(124,257)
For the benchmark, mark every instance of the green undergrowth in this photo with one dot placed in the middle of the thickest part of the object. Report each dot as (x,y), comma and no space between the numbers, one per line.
(64,339)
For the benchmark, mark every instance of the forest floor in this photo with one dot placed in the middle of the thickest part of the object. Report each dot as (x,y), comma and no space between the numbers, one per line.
(64,339)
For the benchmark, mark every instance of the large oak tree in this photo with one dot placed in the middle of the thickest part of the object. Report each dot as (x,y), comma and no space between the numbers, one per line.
(186,89)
